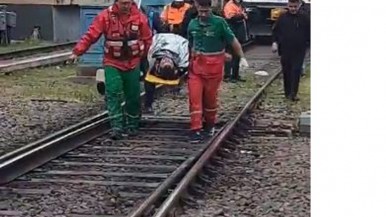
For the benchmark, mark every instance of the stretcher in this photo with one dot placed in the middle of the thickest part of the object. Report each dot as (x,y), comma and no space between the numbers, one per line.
(168,45)
(172,47)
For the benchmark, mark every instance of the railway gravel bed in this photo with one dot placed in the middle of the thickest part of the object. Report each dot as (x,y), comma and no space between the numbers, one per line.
(37,102)
(268,173)
(105,177)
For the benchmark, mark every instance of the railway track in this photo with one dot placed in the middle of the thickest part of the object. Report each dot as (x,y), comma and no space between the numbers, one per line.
(234,126)
(82,169)
(34,57)
(263,170)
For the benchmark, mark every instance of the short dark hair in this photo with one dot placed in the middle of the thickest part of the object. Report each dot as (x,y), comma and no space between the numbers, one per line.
(204,3)
(294,1)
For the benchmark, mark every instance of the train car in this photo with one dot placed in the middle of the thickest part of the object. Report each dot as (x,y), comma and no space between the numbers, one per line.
(262,15)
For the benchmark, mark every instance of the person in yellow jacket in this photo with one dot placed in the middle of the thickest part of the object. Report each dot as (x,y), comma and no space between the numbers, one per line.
(173,15)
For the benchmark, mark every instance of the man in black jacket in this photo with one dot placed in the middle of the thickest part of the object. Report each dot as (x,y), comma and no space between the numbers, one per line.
(305,8)
(292,34)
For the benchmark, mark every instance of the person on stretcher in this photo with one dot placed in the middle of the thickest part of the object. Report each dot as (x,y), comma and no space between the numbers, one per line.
(168,59)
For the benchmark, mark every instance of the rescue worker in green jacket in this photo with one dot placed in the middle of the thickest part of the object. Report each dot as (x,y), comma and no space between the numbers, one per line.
(208,36)
(236,17)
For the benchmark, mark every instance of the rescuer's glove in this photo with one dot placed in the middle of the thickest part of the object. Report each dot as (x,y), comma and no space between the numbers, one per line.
(228,57)
(243,63)
(274,47)
(72,59)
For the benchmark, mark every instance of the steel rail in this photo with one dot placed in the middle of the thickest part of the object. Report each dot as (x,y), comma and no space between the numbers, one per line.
(35,49)
(35,154)
(170,181)
(34,62)
(172,200)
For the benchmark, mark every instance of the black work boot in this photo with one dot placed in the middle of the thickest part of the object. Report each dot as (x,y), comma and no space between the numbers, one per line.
(195,137)
(209,131)
(240,79)
(295,98)
(116,135)
(148,110)
(131,132)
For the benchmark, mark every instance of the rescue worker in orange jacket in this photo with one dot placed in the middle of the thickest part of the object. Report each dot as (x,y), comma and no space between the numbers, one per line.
(127,39)
(236,17)
(173,14)
(208,35)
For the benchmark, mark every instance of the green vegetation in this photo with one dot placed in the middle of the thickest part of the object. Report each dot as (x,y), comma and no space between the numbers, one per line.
(305,91)
(50,83)
(241,89)
(276,94)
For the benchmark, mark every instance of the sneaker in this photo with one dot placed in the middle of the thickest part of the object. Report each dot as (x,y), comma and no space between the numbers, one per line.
(115,135)
(241,79)
(209,131)
(295,98)
(195,137)
(132,132)
(148,110)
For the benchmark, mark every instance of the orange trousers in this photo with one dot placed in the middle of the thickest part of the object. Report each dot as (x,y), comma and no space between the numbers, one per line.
(204,79)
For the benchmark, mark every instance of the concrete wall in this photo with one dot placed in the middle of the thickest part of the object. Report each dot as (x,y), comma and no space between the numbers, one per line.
(66,23)
(30,15)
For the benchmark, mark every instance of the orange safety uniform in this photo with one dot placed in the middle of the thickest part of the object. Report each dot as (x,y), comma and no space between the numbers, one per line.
(208,41)
(127,38)
(172,15)
(231,9)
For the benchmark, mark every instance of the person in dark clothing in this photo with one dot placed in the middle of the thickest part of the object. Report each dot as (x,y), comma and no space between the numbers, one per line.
(156,26)
(305,8)
(291,33)
(236,17)
(190,14)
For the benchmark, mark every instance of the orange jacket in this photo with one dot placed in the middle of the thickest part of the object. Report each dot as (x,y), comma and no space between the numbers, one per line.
(172,15)
(231,9)
(112,26)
